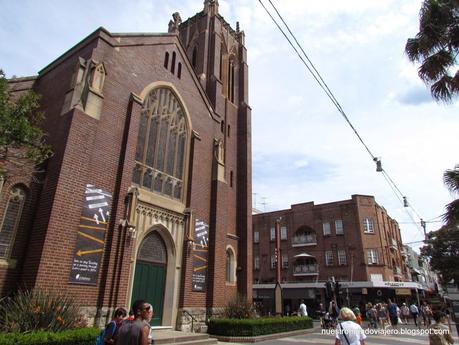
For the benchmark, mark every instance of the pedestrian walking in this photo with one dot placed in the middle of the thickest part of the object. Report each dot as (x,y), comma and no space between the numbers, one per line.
(302,310)
(392,312)
(333,312)
(414,313)
(404,313)
(349,332)
(371,315)
(137,331)
(381,313)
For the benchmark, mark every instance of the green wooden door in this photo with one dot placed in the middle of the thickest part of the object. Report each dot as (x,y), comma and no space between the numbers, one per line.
(150,275)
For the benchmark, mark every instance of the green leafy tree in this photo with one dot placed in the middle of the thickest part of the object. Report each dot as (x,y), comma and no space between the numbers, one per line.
(442,246)
(442,249)
(436,47)
(22,143)
(451,180)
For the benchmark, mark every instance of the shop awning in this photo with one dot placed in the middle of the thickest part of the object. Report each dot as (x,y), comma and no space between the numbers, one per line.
(304,255)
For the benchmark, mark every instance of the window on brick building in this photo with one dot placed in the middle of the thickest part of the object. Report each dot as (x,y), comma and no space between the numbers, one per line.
(166,60)
(162,144)
(179,70)
(368,225)
(329,258)
(230,266)
(284,261)
(256,236)
(326,229)
(194,57)
(256,263)
(342,257)
(231,81)
(272,236)
(11,218)
(98,78)
(283,232)
(372,255)
(339,227)
(174,55)
(273,262)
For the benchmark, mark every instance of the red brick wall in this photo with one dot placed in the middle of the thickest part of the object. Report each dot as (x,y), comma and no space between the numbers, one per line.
(354,241)
(101,152)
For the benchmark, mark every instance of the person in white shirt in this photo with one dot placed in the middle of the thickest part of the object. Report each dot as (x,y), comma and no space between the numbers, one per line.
(349,332)
(302,310)
(414,313)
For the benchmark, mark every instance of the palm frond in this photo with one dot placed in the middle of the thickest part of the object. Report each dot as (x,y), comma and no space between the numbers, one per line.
(441,90)
(455,83)
(412,50)
(451,179)
(451,217)
(435,66)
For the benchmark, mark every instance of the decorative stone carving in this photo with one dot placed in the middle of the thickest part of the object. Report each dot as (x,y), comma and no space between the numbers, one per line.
(175,23)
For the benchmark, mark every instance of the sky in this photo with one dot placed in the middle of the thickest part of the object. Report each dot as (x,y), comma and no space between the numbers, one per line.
(303,150)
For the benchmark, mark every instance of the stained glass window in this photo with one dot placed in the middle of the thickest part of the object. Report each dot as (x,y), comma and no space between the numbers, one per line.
(11,220)
(161,144)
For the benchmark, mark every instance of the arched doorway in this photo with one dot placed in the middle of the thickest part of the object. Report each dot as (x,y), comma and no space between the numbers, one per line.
(150,274)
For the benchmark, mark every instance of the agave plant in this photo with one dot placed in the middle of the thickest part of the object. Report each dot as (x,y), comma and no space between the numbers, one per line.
(37,309)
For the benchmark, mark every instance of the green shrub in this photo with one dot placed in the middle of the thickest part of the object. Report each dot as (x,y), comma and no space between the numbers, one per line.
(259,326)
(39,310)
(239,308)
(80,336)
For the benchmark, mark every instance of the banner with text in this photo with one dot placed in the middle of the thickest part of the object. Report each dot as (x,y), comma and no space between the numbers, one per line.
(200,255)
(91,236)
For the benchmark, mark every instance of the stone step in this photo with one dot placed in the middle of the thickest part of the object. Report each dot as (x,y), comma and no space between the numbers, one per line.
(184,338)
(208,341)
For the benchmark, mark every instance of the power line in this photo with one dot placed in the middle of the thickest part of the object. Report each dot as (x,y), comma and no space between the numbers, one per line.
(323,85)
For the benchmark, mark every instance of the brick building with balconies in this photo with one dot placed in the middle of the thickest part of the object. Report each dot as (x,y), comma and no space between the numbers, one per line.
(354,242)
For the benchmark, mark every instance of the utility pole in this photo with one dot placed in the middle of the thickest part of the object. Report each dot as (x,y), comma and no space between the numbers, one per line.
(278,259)
(423,224)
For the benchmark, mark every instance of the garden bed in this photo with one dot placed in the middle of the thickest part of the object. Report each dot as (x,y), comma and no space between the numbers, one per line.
(257,326)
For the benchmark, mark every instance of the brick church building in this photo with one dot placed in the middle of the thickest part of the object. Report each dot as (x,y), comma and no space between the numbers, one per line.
(148,193)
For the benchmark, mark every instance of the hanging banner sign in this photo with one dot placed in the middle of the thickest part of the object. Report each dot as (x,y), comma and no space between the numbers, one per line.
(91,236)
(200,255)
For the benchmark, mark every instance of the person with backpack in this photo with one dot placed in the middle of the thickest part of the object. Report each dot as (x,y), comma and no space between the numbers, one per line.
(110,332)
(393,313)
(371,315)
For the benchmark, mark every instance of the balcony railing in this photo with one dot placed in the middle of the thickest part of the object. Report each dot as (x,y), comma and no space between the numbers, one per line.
(305,270)
(304,240)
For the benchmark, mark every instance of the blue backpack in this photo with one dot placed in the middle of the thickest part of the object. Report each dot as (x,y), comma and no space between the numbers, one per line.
(100,338)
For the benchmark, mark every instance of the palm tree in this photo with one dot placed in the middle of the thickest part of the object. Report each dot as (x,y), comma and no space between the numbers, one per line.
(451,180)
(436,47)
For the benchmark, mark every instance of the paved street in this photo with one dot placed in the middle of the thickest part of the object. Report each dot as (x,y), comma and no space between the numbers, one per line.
(406,335)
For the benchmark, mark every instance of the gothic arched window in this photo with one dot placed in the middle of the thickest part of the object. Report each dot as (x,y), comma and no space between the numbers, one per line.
(230,266)
(11,218)
(161,144)
(153,249)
